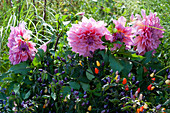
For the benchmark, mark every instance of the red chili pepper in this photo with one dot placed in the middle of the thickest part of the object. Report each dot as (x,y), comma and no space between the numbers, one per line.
(96,71)
(149,87)
(153,79)
(124,81)
(141,109)
(126,88)
(138,90)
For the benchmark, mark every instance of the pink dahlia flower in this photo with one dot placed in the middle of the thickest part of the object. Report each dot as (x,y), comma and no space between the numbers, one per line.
(86,36)
(123,34)
(148,31)
(20,49)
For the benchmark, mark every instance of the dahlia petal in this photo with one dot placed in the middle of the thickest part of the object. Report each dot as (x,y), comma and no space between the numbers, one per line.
(122,21)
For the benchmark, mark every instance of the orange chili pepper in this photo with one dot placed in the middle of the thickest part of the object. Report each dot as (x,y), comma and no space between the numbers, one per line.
(124,81)
(138,110)
(96,71)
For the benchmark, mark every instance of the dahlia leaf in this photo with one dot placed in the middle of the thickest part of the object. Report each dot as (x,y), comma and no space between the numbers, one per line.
(115,64)
(85,86)
(74,85)
(20,68)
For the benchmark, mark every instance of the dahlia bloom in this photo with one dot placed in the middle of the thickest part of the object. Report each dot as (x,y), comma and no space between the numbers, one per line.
(123,34)
(148,32)
(86,36)
(21,49)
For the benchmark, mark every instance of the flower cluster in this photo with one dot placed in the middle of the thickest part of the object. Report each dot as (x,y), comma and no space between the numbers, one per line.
(144,33)
(148,31)
(21,49)
(86,36)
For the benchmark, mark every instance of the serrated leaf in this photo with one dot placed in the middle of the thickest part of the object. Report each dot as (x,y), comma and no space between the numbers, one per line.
(20,68)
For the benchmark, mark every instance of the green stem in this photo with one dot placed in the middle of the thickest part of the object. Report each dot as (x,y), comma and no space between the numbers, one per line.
(162,69)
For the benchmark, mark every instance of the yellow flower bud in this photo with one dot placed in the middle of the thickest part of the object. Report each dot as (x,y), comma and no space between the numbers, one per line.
(145,106)
(75,107)
(167,82)
(153,87)
(89,108)
(116,77)
(152,74)
(98,63)
(80,62)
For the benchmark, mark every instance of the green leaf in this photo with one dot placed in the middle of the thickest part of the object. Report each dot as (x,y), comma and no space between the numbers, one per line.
(16,88)
(89,74)
(115,64)
(140,73)
(148,57)
(20,68)
(27,95)
(85,86)
(74,85)
(65,90)
(105,56)
(41,53)
(167,102)
(127,67)
(137,57)
(57,16)
(36,60)
(114,100)
(53,95)
(3,96)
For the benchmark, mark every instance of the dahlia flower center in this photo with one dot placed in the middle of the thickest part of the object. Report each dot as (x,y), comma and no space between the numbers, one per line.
(90,40)
(119,36)
(24,46)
